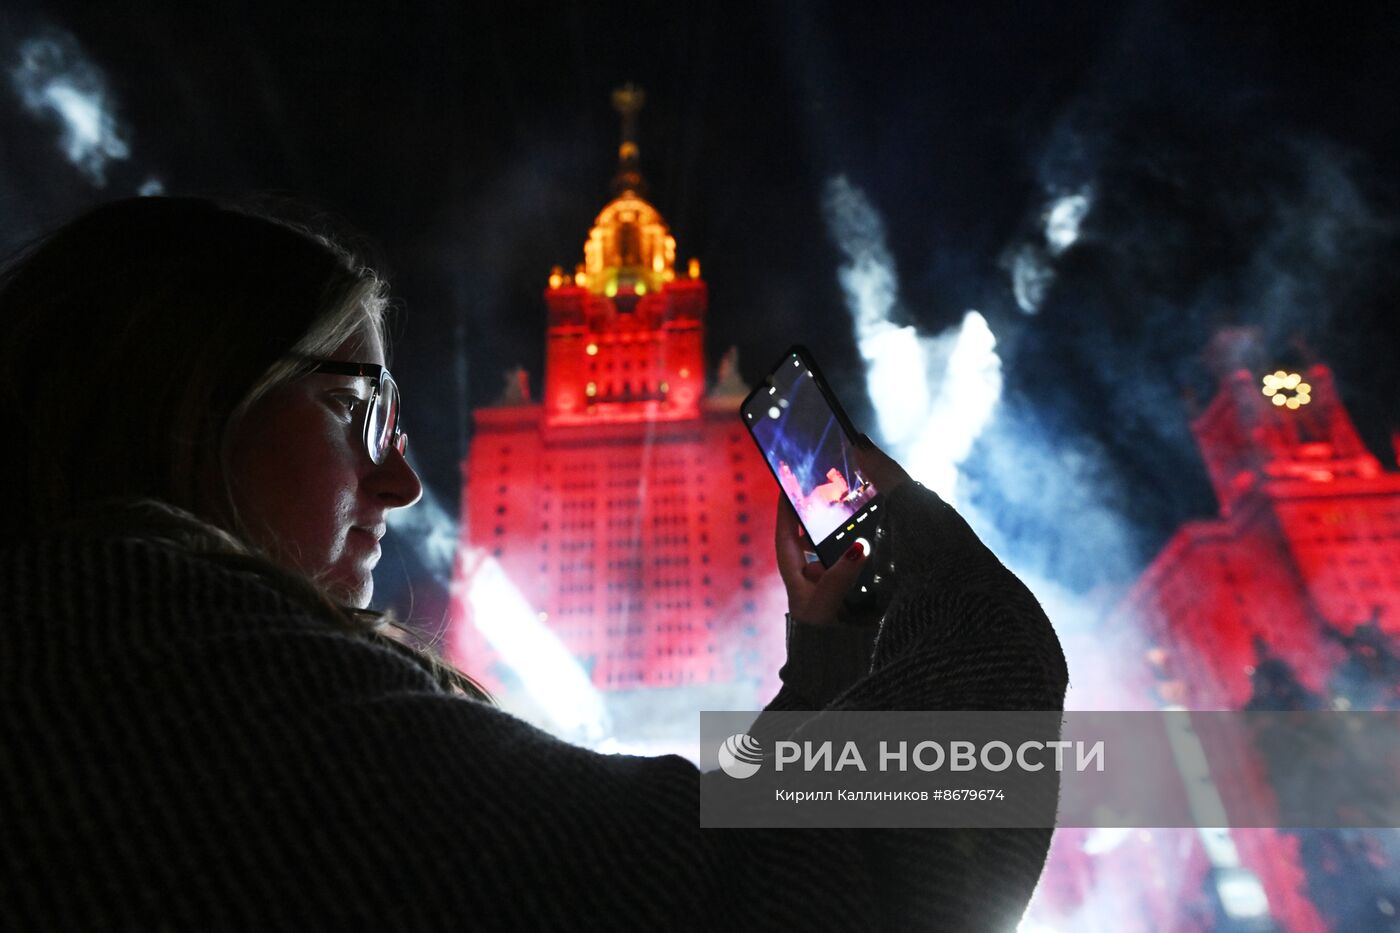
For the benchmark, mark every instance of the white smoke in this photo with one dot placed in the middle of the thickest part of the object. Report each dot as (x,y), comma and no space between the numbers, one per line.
(938,396)
(1032,263)
(932,395)
(54,80)
(1031,278)
(558,694)
(1062,220)
(431,532)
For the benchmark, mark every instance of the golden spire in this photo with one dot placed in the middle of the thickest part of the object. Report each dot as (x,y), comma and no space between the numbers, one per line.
(628,101)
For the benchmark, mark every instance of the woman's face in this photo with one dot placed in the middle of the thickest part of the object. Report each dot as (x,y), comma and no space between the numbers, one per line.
(305,485)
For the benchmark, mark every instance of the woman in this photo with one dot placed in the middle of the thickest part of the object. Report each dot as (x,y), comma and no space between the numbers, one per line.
(204,728)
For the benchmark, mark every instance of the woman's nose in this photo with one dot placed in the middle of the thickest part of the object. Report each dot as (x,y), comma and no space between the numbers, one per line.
(395,482)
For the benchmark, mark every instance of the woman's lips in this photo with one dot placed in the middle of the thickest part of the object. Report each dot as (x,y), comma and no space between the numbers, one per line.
(367,537)
(377,530)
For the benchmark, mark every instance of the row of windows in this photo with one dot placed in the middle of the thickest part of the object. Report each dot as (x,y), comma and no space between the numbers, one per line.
(634,608)
(670,502)
(626,365)
(634,563)
(677,540)
(633,566)
(679,676)
(628,545)
(674,627)
(644,387)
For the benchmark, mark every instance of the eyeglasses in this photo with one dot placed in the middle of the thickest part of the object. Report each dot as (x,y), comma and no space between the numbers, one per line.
(382,418)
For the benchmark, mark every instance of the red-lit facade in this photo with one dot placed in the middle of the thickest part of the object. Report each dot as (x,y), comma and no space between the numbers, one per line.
(1306,548)
(1308,539)
(628,506)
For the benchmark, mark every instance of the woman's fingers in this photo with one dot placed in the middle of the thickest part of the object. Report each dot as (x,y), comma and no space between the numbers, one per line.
(878,467)
(823,606)
(788,542)
(816,594)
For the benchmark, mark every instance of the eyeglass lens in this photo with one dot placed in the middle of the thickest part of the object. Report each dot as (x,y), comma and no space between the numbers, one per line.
(383,419)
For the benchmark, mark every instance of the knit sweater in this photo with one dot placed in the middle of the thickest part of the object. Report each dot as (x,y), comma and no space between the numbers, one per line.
(182,747)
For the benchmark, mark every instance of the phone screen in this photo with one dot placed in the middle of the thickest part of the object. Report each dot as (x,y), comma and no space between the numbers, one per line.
(808,443)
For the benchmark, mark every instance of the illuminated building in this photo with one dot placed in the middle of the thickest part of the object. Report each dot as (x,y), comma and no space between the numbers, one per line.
(1306,547)
(1279,602)
(628,506)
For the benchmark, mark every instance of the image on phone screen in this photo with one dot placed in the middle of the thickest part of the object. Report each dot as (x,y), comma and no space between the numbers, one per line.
(808,449)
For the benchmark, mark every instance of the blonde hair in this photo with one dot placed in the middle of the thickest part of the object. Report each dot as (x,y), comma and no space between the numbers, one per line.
(133,339)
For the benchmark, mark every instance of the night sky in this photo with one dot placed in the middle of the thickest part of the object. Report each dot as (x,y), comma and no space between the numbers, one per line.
(1241,165)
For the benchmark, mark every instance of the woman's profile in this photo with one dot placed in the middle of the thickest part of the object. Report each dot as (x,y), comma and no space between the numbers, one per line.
(205,727)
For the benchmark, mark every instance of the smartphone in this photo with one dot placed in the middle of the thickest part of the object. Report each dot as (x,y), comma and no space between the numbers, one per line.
(808,442)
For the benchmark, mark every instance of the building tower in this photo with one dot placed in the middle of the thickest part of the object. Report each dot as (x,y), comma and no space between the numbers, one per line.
(627,508)
(1306,548)
(1289,599)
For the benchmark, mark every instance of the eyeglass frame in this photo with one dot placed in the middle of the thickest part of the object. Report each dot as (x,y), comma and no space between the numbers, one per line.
(378,374)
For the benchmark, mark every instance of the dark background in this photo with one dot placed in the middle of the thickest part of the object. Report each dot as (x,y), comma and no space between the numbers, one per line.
(1242,161)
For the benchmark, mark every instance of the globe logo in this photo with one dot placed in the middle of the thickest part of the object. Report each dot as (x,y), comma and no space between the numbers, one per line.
(740,755)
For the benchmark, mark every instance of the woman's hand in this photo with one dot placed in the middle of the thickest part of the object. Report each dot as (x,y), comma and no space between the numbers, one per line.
(815,593)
